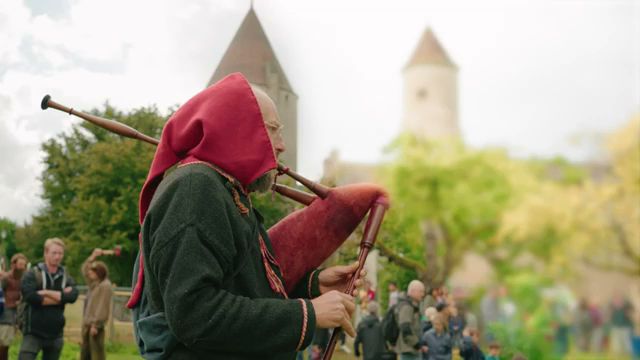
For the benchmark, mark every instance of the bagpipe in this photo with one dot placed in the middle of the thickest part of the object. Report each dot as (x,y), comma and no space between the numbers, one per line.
(304,239)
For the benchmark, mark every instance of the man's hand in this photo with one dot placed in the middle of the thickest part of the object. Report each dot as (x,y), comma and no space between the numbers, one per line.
(93,331)
(333,310)
(68,290)
(338,277)
(425,349)
(50,297)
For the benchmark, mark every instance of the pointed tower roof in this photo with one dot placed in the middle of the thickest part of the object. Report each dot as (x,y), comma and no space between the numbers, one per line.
(429,51)
(251,54)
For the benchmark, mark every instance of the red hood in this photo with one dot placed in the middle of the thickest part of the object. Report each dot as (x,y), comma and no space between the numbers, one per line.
(221,125)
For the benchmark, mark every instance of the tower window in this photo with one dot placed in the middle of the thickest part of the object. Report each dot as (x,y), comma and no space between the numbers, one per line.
(422,94)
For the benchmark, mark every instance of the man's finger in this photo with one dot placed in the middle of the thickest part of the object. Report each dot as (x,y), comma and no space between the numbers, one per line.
(347,327)
(344,296)
(350,307)
(347,269)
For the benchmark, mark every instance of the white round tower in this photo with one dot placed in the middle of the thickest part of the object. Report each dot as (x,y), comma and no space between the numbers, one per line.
(431,91)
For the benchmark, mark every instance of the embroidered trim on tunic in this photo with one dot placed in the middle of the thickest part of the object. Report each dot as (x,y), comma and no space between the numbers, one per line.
(304,324)
(311,282)
(267,260)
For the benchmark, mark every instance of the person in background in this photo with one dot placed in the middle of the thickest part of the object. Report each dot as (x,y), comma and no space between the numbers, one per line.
(621,325)
(494,351)
(437,343)
(408,318)
(444,310)
(393,293)
(46,289)
(583,326)
(319,343)
(597,331)
(369,334)
(366,294)
(470,319)
(490,311)
(469,348)
(96,307)
(429,314)
(11,287)
(456,324)
(433,297)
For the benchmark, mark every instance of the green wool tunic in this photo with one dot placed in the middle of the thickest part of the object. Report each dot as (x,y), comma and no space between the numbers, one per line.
(204,270)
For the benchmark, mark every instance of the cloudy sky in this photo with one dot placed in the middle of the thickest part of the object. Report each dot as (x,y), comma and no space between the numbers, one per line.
(534,75)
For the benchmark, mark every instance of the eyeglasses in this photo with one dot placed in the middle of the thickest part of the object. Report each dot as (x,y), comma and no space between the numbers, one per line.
(275,130)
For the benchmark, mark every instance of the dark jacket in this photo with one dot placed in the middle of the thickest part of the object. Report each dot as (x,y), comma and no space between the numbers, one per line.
(369,334)
(469,350)
(205,275)
(440,346)
(456,325)
(46,321)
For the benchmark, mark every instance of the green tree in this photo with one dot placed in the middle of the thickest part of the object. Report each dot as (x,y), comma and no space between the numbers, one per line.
(447,201)
(91,183)
(8,238)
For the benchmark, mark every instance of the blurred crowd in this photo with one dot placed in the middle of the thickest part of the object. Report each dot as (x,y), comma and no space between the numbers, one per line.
(434,324)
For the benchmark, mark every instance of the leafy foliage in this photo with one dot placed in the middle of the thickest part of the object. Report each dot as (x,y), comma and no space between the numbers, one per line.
(564,223)
(91,183)
(534,342)
(8,238)
(447,200)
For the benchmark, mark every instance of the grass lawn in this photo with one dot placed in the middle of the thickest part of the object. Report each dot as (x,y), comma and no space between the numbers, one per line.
(71,351)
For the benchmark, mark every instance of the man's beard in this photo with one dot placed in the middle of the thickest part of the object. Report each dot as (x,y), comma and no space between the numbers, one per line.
(263,183)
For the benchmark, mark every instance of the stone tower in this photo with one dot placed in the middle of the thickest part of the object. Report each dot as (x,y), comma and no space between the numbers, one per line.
(251,54)
(430,91)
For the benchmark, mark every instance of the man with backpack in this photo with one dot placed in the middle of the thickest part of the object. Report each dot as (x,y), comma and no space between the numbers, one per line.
(46,289)
(408,345)
(401,325)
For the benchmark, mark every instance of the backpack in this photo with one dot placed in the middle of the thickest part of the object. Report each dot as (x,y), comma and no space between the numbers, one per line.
(390,330)
(23,306)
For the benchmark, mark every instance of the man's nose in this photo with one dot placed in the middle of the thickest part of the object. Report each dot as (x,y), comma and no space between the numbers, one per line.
(280,147)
